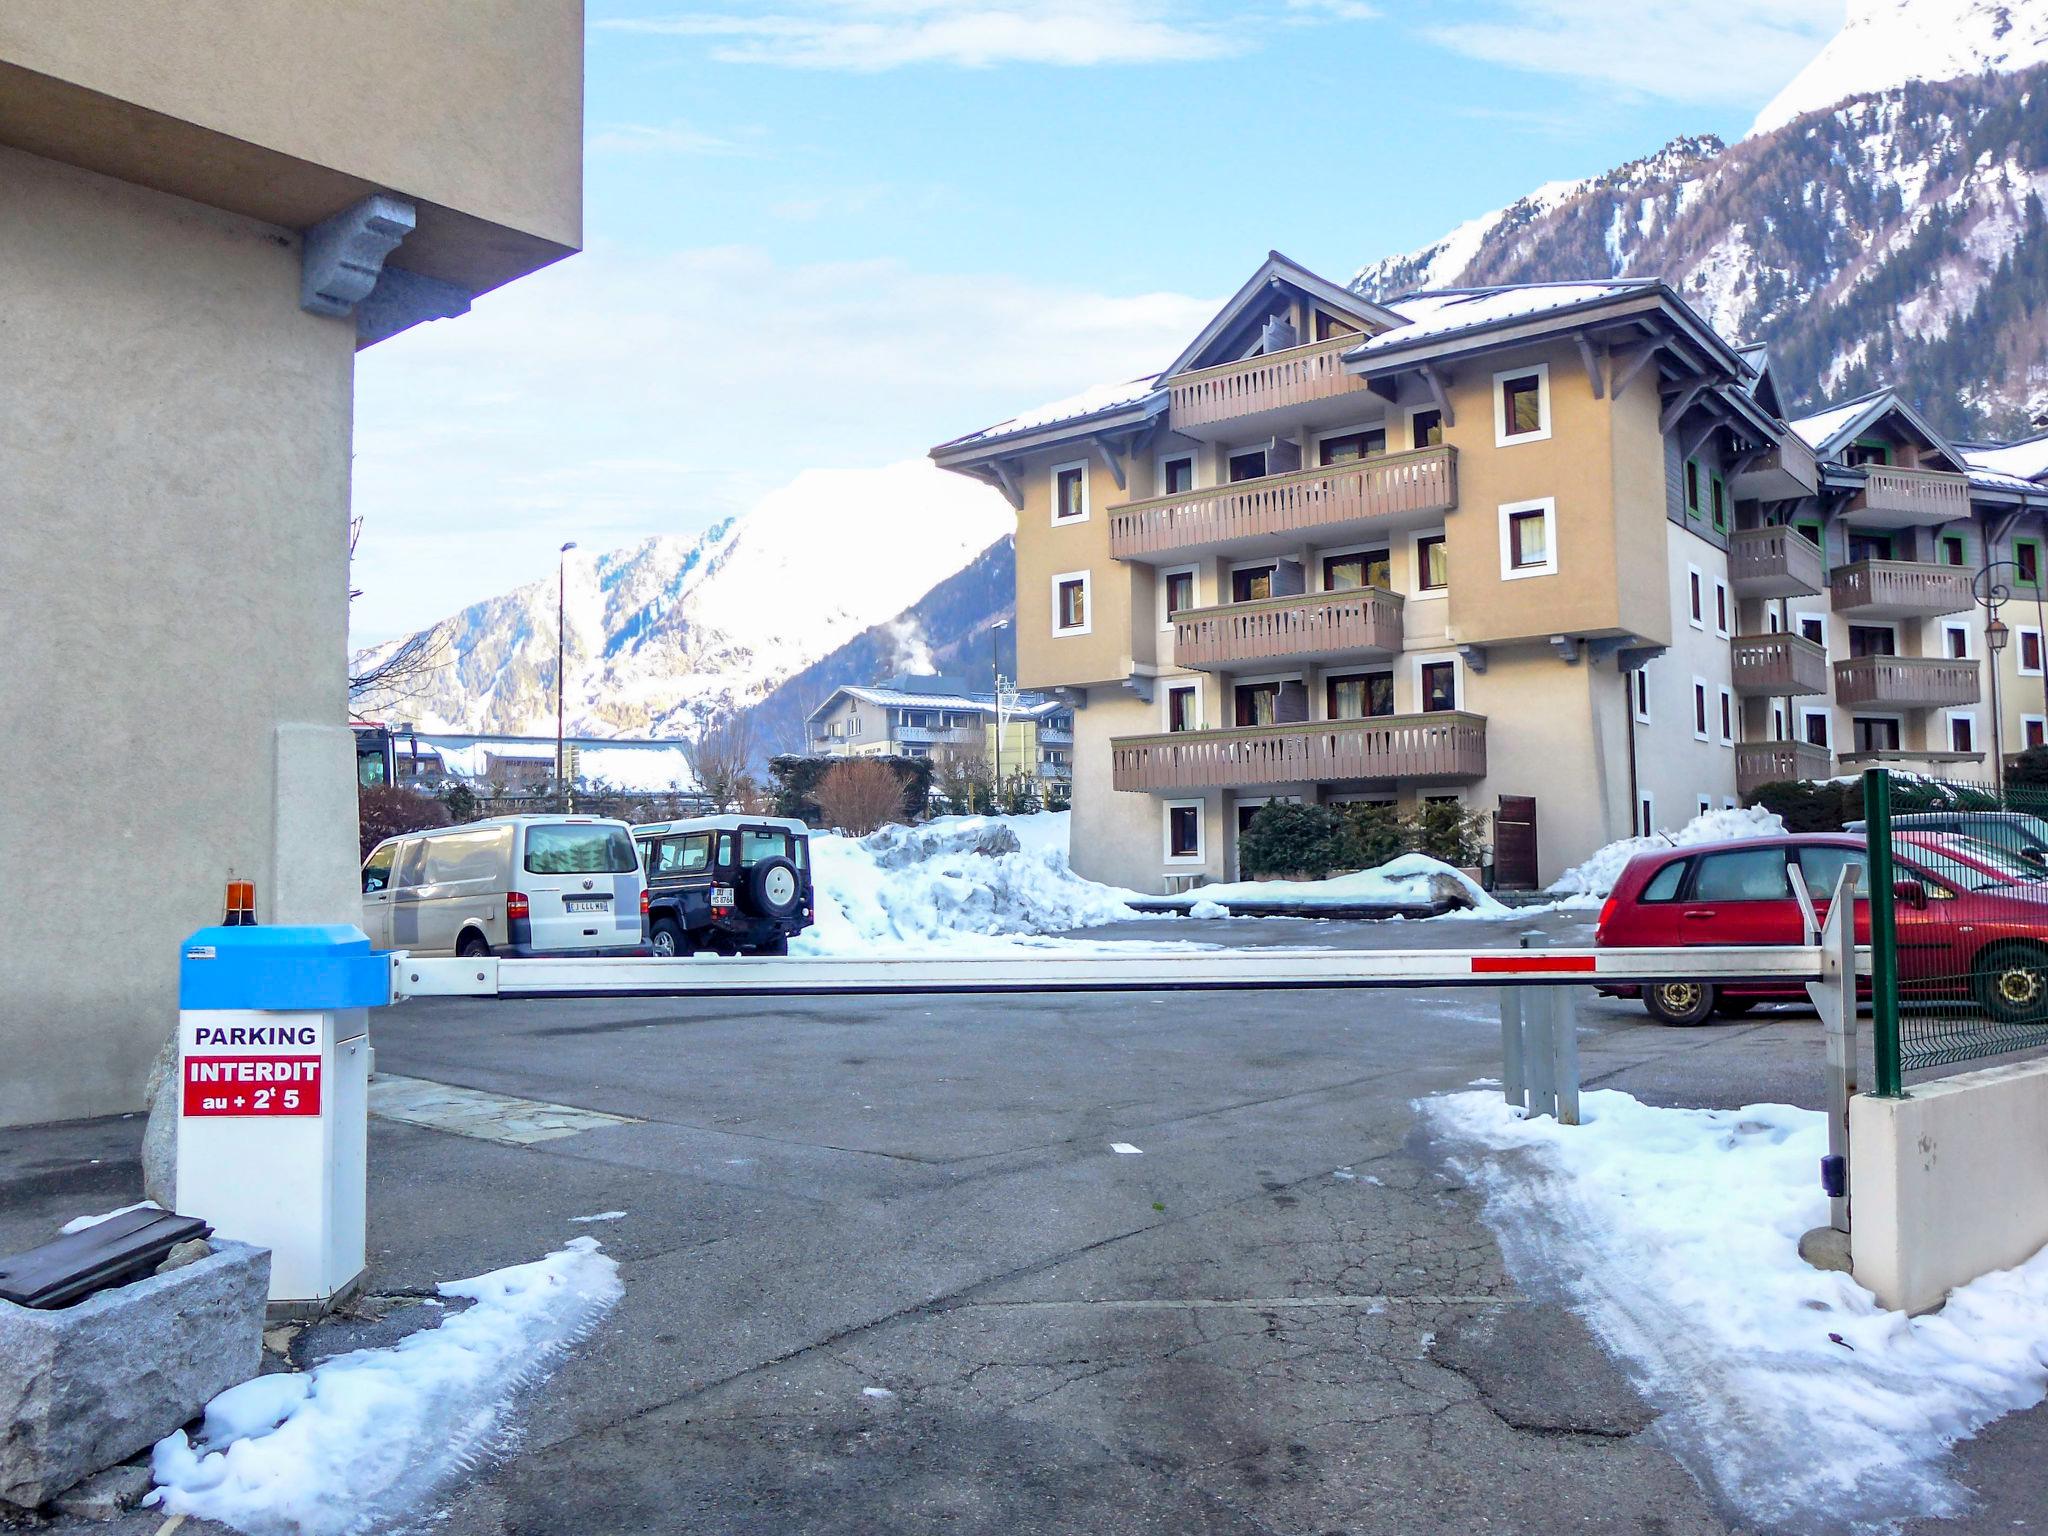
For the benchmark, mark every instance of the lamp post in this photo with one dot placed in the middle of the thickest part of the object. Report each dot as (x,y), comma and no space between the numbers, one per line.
(561,611)
(1992,593)
(995,661)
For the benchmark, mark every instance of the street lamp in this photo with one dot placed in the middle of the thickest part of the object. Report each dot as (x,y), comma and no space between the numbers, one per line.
(995,661)
(561,610)
(1992,593)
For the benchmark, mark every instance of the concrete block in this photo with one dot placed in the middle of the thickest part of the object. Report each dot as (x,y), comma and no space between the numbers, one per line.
(1948,1183)
(87,1386)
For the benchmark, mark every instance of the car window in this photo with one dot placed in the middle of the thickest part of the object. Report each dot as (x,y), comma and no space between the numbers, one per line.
(670,856)
(1949,871)
(756,845)
(2001,859)
(409,862)
(571,849)
(1746,874)
(1822,867)
(377,867)
(1663,885)
(725,850)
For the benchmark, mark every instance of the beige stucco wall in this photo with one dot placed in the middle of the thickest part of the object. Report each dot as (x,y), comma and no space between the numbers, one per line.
(174,443)
(1046,549)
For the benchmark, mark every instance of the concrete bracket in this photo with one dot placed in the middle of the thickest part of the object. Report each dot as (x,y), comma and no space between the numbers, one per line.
(344,255)
(1474,657)
(1567,648)
(1141,685)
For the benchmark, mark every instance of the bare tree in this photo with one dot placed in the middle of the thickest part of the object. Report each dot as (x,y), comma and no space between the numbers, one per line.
(724,759)
(960,772)
(380,679)
(859,794)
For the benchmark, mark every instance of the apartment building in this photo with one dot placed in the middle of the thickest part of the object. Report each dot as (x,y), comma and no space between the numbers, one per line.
(1493,545)
(914,716)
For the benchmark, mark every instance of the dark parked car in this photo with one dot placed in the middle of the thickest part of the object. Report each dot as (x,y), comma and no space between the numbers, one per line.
(727,885)
(1964,928)
(2018,833)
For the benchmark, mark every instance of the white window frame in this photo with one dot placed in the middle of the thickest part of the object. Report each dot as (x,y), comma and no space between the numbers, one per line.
(1730,803)
(1827,722)
(2019,650)
(1086,500)
(1383,425)
(1951,627)
(2027,720)
(1167,687)
(1801,620)
(1724,720)
(1501,437)
(1166,853)
(1159,470)
(1702,712)
(1425,658)
(1696,613)
(1724,609)
(1087,624)
(1165,619)
(1646,814)
(1639,693)
(1418,593)
(1228,453)
(1509,510)
(1950,717)
(1705,804)
(1338,552)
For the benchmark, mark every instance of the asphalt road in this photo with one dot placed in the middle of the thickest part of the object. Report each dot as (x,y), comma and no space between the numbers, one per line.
(1282,1315)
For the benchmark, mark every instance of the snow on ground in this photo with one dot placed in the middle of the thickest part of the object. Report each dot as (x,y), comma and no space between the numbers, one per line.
(360,1441)
(1674,1233)
(1406,881)
(80,1223)
(1596,877)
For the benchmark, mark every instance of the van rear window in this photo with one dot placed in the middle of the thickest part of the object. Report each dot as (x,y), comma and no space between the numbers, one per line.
(757,845)
(589,850)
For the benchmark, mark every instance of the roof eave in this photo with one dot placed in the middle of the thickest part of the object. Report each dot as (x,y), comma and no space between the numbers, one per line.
(961,453)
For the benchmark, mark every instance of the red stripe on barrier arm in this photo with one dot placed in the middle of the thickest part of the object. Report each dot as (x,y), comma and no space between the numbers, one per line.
(1492,965)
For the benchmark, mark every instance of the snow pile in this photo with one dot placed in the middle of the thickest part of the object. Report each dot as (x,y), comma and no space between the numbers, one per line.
(1597,875)
(1674,1233)
(958,881)
(1412,880)
(361,1440)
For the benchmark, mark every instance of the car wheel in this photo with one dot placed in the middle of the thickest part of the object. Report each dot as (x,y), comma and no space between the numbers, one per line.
(2012,983)
(1734,1007)
(667,941)
(472,945)
(1679,1002)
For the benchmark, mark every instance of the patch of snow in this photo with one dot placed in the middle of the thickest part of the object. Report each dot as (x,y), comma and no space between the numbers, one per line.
(1597,875)
(1206,908)
(1125,1149)
(361,1441)
(1674,1233)
(602,1216)
(1092,401)
(1407,881)
(880,1394)
(80,1223)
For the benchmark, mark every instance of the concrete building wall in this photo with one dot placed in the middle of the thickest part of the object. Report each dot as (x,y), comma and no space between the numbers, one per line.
(174,439)
(1675,767)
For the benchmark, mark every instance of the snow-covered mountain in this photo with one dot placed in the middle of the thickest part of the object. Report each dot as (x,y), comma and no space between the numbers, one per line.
(674,633)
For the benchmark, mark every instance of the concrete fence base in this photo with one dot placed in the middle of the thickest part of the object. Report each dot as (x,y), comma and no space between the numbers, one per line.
(1951,1182)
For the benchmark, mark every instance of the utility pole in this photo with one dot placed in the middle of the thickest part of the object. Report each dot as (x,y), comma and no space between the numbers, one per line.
(561,610)
(995,658)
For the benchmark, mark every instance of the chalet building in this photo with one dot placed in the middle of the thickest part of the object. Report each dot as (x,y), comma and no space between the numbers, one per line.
(1552,550)
(916,716)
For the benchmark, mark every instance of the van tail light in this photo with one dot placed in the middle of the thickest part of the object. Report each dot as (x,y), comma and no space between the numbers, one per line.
(1606,912)
(516,904)
(644,905)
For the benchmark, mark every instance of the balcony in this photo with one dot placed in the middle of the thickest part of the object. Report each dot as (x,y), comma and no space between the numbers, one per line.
(1783,472)
(1894,498)
(1905,682)
(1316,626)
(1443,748)
(1774,562)
(1367,495)
(1940,765)
(1238,393)
(1777,666)
(1774,762)
(1899,589)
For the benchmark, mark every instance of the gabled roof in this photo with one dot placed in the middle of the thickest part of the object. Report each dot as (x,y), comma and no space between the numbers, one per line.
(1030,706)
(1763,386)
(2026,459)
(1141,396)
(1829,432)
(1279,268)
(1438,313)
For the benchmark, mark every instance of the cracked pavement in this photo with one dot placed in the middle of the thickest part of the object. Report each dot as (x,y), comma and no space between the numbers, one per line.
(884,1273)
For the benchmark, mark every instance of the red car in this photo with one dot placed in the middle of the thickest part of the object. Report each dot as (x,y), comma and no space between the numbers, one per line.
(1965,928)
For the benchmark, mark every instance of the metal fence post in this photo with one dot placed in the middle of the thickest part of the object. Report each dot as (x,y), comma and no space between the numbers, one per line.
(1564,1051)
(1514,1086)
(1884,938)
(1539,1059)
(1834,996)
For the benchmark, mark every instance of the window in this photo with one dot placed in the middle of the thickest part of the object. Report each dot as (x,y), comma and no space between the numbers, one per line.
(1438,688)
(1956,641)
(1351,446)
(1521,405)
(1696,601)
(669,856)
(1176,475)
(1257,704)
(2026,554)
(1727,702)
(1069,493)
(1432,565)
(1249,583)
(1692,487)
(1869,546)
(1646,816)
(2034,730)
(1663,885)
(1814,629)
(1777,722)
(1184,707)
(1868,450)
(1070,603)
(1811,532)
(1875,735)
(1813,723)
(1329,327)
(1184,832)
(1249,465)
(1720,505)
(1699,709)
(1962,733)
(377,867)
(588,848)
(1527,544)
(1639,689)
(1742,874)
(1426,429)
(1348,573)
(1953,551)
(1176,594)
(1705,804)
(1822,866)
(1873,640)
(1721,609)
(2029,652)
(1358,695)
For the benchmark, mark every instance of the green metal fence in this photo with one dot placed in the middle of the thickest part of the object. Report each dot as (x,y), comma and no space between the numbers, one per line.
(1958,921)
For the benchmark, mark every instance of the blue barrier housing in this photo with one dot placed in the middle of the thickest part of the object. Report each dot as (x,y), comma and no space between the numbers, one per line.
(300,969)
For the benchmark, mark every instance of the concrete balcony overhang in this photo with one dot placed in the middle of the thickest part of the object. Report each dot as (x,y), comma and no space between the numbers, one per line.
(1908,498)
(1905,682)
(1937,764)
(1774,762)
(1899,589)
(1779,666)
(1442,748)
(1777,561)
(1355,499)
(1785,471)
(1313,627)
(1306,385)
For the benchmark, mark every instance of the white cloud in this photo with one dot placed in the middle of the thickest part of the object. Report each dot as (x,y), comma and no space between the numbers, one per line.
(618,395)
(887,34)
(677,138)
(1681,50)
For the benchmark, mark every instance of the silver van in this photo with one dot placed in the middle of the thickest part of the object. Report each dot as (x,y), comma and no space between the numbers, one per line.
(514,885)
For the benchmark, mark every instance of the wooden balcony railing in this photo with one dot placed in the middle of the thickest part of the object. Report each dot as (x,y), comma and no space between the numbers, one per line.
(1774,562)
(1424,481)
(1774,762)
(1906,682)
(1925,495)
(1432,748)
(1364,619)
(1269,382)
(1777,666)
(1899,589)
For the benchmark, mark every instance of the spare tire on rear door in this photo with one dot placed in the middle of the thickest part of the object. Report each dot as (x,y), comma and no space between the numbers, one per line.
(773,888)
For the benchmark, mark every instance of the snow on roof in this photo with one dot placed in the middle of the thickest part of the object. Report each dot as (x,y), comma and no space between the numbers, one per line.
(1027,704)
(1446,312)
(1822,428)
(1094,401)
(2019,461)
(628,765)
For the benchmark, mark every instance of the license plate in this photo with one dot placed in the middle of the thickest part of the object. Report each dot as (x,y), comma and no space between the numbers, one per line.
(589,904)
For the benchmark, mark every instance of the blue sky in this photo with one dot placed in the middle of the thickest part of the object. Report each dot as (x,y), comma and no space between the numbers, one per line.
(829,233)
